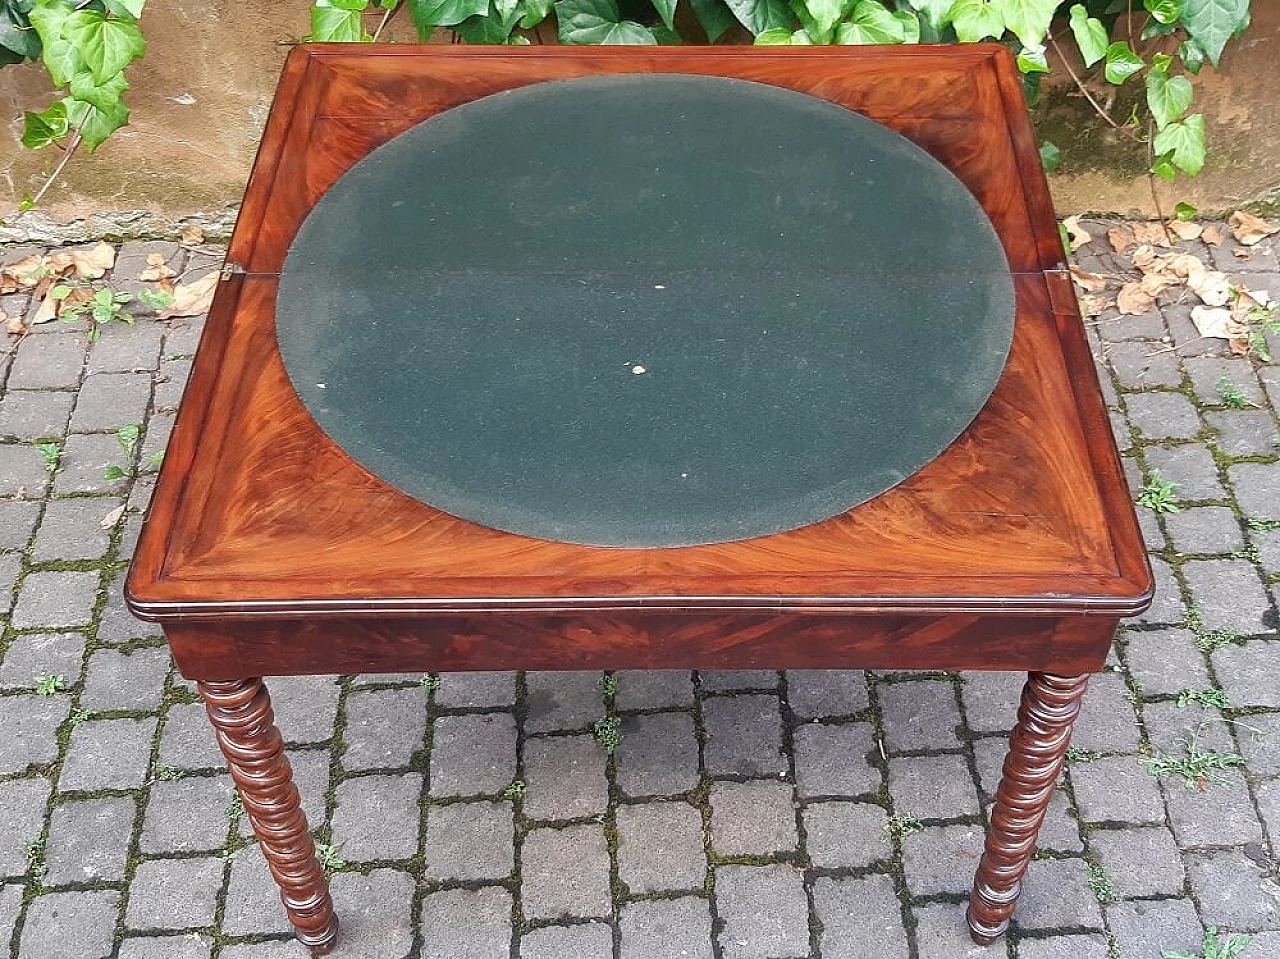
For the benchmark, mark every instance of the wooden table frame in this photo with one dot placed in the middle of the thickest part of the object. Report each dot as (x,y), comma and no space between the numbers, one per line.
(267,551)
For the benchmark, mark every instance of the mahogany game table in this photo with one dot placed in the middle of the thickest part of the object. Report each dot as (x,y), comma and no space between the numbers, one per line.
(662,358)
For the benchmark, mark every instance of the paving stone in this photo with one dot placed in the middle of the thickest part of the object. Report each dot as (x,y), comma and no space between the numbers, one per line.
(10,564)
(384,727)
(174,893)
(108,754)
(50,362)
(1107,722)
(1147,928)
(1152,535)
(72,529)
(170,383)
(187,741)
(744,736)
(1056,895)
(376,918)
(764,912)
(1243,432)
(124,349)
(1248,673)
(562,700)
(736,680)
(1064,947)
(1230,595)
(834,760)
(1208,372)
(933,787)
(187,815)
(85,459)
(10,906)
(22,470)
(991,700)
(1120,428)
(860,919)
(376,817)
(41,654)
(473,754)
(1147,326)
(116,624)
(846,834)
(826,693)
(117,680)
(469,841)
(584,940)
(1166,661)
(1234,892)
(1168,727)
(17,523)
(1216,816)
(1255,485)
(56,599)
(941,933)
(476,690)
(565,872)
(564,778)
(108,401)
(189,946)
(660,847)
(253,905)
(663,929)
(1191,466)
(1205,529)
(1267,542)
(22,810)
(755,818)
(653,689)
(305,707)
(34,414)
(919,715)
(461,924)
(1259,740)
(89,840)
(1116,789)
(658,755)
(1159,415)
(1167,606)
(1139,365)
(280,949)
(30,725)
(1142,862)
(941,859)
(70,925)
(1263,945)
(183,336)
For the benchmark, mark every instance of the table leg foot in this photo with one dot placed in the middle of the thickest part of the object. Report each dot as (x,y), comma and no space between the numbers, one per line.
(1037,746)
(244,723)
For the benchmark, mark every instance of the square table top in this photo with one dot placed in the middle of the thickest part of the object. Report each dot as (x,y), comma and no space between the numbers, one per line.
(258,515)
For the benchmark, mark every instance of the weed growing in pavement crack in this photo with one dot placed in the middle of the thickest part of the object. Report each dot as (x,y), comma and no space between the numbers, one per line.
(328,856)
(1157,495)
(1209,698)
(902,825)
(515,790)
(1103,886)
(1214,948)
(608,732)
(51,453)
(1231,394)
(50,685)
(1199,768)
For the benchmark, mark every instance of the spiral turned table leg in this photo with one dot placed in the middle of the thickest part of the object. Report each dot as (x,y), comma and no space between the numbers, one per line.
(1037,746)
(245,726)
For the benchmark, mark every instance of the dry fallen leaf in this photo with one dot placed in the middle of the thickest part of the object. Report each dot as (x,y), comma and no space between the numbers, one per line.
(1120,238)
(1213,288)
(156,269)
(191,235)
(191,299)
(1143,257)
(1092,305)
(48,310)
(1216,322)
(1153,283)
(12,324)
(1079,235)
(88,264)
(1153,234)
(1249,229)
(1213,236)
(1089,282)
(1134,300)
(1186,230)
(20,273)
(112,518)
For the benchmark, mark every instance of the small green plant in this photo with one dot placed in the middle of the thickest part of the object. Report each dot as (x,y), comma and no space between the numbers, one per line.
(1207,640)
(235,807)
(1261,320)
(1103,886)
(35,858)
(901,825)
(103,307)
(51,453)
(1209,698)
(1157,495)
(1214,948)
(156,299)
(127,437)
(431,681)
(50,685)
(1263,525)
(515,790)
(609,684)
(608,732)
(329,858)
(1199,768)
(1231,394)
(1077,754)
(167,774)
(79,716)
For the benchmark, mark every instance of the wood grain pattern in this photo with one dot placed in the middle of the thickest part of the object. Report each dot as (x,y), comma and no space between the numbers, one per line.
(244,724)
(1039,742)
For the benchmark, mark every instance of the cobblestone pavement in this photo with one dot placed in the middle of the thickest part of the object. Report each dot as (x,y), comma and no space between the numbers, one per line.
(742,816)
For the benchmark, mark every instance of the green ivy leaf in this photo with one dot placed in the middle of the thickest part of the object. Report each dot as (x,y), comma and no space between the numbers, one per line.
(1183,141)
(104,96)
(761,15)
(910,25)
(107,46)
(667,11)
(16,34)
(429,14)
(823,15)
(935,12)
(1028,20)
(664,37)
(59,55)
(1211,23)
(28,202)
(598,21)
(1168,97)
(1122,62)
(1032,60)
(1091,35)
(533,12)
(1192,56)
(1185,212)
(489,30)
(870,23)
(335,25)
(41,129)
(129,9)
(777,37)
(95,125)
(714,16)
(976,20)
(1050,155)
(1164,11)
